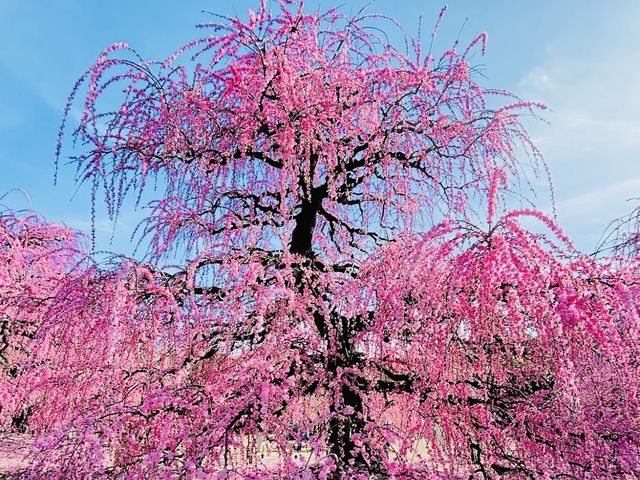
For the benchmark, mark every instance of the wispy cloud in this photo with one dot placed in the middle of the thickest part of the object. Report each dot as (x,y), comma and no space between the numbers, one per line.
(591,144)
(537,79)
(602,199)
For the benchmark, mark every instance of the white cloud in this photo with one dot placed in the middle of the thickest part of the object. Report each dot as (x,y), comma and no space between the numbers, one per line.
(591,144)
(537,79)
(583,131)
(600,199)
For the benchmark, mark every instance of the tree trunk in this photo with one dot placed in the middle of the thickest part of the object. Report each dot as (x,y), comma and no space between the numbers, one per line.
(347,419)
(347,413)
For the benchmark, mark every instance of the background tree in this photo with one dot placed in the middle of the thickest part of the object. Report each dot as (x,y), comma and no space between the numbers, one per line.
(35,257)
(298,156)
(622,236)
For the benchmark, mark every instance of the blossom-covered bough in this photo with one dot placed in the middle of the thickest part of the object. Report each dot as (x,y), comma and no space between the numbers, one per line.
(313,329)
(35,257)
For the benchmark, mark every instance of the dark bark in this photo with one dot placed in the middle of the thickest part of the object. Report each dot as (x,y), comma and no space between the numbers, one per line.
(340,354)
(302,237)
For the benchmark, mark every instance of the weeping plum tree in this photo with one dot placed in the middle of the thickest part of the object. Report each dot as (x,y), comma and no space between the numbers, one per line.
(299,160)
(35,256)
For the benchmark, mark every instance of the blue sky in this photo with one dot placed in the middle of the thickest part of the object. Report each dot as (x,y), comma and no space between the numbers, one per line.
(580,57)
